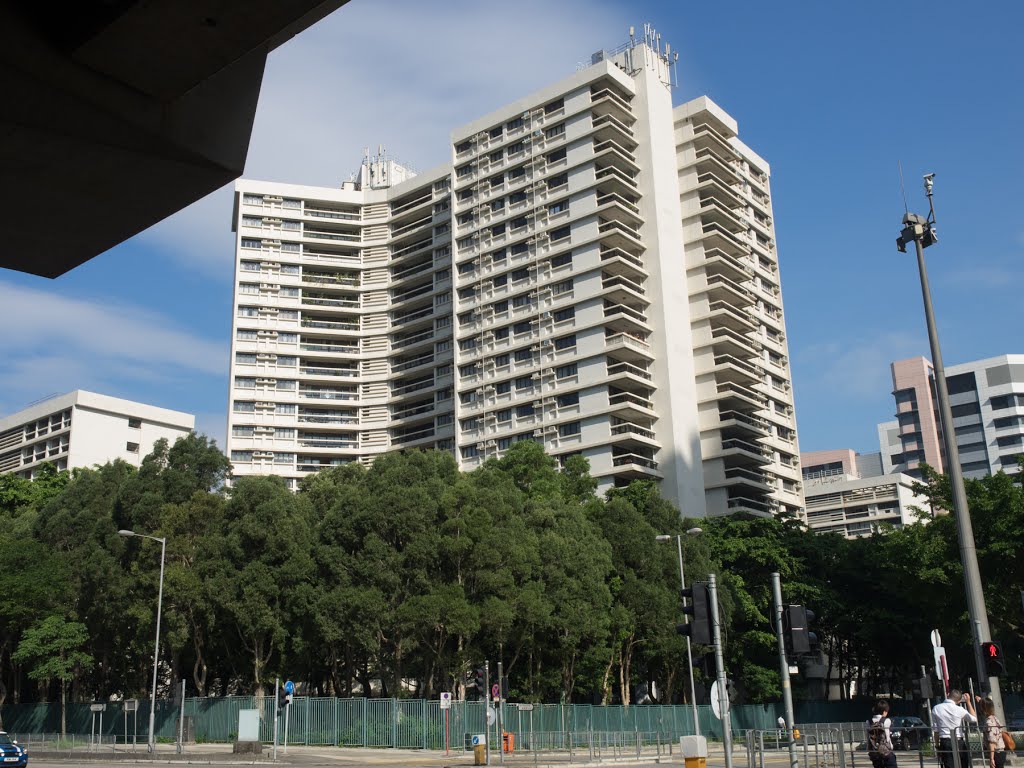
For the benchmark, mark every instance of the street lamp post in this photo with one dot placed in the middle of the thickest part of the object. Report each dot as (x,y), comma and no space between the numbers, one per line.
(686,617)
(921,231)
(156,648)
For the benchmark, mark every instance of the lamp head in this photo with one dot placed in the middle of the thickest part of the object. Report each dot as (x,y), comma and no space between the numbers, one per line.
(663,537)
(126,533)
(694,531)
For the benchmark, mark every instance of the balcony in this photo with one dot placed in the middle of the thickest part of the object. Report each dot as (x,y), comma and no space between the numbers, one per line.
(408,340)
(628,346)
(622,288)
(619,234)
(613,205)
(717,236)
(636,373)
(623,318)
(729,368)
(609,127)
(325,213)
(340,279)
(722,288)
(712,140)
(325,394)
(402,318)
(322,300)
(719,262)
(619,262)
(605,101)
(616,177)
(733,396)
(330,325)
(633,465)
(629,405)
(742,452)
(708,162)
(348,349)
(318,371)
(736,421)
(754,506)
(622,428)
(712,210)
(611,153)
(326,234)
(405,229)
(712,186)
(408,250)
(724,315)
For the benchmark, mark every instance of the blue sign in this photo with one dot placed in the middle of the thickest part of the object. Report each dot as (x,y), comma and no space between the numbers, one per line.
(289,687)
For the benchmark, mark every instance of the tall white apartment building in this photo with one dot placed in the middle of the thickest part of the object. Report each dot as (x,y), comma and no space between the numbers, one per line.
(595,271)
(81,429)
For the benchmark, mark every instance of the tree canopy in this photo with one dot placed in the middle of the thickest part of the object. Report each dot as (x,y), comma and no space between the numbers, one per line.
(397,579)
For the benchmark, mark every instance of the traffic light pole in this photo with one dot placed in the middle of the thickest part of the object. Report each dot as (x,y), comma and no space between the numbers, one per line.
(723,693)
(787,690)
(499,717)
(689,649)
(917,229)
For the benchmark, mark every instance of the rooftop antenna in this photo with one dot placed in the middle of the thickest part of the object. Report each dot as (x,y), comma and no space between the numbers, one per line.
(929,184)
(675,66)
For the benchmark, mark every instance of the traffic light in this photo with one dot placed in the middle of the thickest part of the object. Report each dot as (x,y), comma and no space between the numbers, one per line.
(995,665)
(504,688)
(478,680)
(699,628)
(796,621)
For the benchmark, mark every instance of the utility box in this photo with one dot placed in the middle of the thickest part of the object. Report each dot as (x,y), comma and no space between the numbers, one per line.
(248,741)
(694,750)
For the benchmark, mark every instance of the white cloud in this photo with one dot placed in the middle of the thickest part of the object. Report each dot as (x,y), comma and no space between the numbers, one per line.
(401,73)
(66,343)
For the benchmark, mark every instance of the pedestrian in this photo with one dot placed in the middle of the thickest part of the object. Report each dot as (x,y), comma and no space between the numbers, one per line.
(995,749)
(948,721)
(879,738)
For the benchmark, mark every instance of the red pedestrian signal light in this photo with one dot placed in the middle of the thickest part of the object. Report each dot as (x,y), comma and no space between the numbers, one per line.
(995,665)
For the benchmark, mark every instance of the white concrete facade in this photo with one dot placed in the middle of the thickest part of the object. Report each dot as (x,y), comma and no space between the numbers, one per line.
(82,429)
(545,286)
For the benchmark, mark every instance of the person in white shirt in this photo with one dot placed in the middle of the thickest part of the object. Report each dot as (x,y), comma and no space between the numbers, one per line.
(948,722)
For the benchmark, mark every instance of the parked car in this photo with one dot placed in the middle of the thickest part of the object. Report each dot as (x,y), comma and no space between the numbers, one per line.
(908,732)
(11,753)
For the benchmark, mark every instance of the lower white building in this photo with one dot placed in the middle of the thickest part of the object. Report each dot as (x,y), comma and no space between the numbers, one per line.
(847,493)
(81,429)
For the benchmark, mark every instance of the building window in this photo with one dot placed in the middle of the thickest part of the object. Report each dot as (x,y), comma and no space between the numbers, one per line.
(566,342)
(241,456)
(558,154)
(463,171)
(565,371)
(561,233)
(497,181)
(555,130)
(524,327)
(558,180)
(245,334)
(520,274)
(524,382)
(497,205)
(568,430)
(501,360)
(522,300)
(132,447)
(498,255)
(565,314)
(561,205)
(503,387)
(469,452)
(496,132)
(244,406)
(517,173)
(242,430)
(498,229)
(554,106)
(505,414)
(513,149)
(561,260)
(135,423)
(572,398)
(523,411)
(523,355)
(565,286)
(513,125)
(501,334)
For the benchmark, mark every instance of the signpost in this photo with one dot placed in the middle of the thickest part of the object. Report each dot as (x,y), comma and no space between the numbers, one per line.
(446,704)
(94,736)
(289,689)
(941,671)
(131,705)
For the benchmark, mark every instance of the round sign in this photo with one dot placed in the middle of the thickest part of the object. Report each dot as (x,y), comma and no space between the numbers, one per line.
(495,690)
(289,687)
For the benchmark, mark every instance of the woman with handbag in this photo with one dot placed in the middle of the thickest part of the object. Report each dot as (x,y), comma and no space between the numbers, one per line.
(997,740)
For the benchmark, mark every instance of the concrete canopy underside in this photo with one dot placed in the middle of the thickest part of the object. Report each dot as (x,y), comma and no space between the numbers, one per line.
(119,113)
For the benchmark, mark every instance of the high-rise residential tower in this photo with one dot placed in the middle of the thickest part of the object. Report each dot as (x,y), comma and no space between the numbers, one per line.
(595,270)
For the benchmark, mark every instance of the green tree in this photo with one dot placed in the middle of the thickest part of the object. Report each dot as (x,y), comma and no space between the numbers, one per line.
(53,649)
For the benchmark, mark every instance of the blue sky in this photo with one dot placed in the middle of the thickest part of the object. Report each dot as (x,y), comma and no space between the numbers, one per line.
(832,95)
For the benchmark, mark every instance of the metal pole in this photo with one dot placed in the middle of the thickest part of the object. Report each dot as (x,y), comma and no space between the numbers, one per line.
(287,709)
(499,718)
(277,700)
(787,689)
(181,720)
(689,650)
(156,648)
(964,528)
(487,709)
(723,694)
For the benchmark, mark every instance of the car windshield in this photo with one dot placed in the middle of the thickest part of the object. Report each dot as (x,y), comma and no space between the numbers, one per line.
(5,739)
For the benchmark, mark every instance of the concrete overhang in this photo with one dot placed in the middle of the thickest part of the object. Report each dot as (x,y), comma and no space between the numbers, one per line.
(118,113)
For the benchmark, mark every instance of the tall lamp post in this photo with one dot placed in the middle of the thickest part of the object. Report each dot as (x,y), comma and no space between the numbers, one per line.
(156,648)
(686,618)
(921,231)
